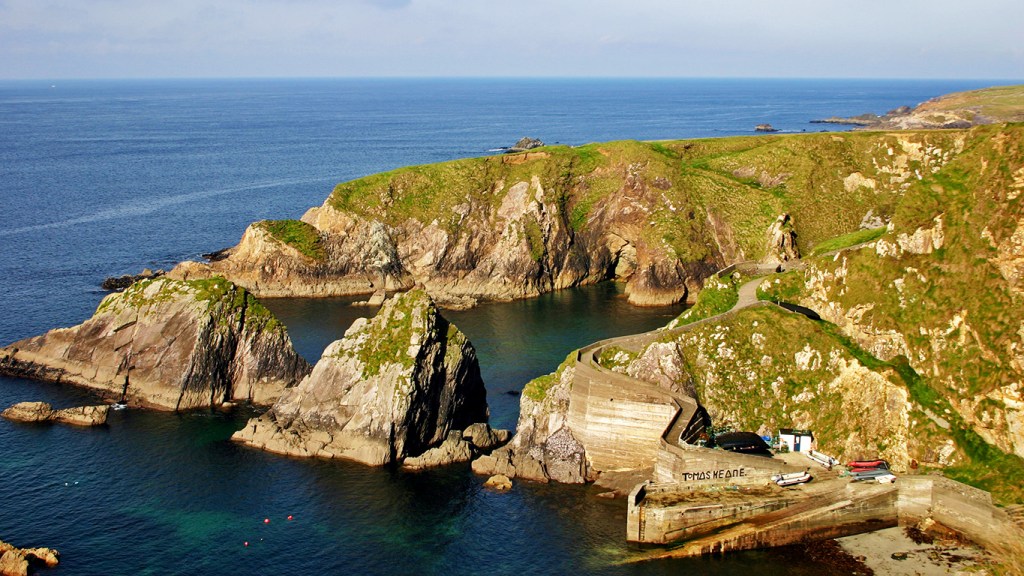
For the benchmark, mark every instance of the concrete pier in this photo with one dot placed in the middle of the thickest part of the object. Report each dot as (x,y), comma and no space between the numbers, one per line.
(718,519)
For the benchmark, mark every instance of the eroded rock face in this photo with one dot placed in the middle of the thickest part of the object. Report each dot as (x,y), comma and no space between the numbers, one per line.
(518,241)
(544,447)
(20,561)
(169,345)
(780,245)
(404,384)
(43,412)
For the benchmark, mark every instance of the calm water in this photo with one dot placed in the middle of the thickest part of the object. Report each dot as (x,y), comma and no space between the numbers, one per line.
(105,178)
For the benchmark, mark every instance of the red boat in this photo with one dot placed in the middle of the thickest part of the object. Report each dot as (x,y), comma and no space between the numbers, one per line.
(868,465)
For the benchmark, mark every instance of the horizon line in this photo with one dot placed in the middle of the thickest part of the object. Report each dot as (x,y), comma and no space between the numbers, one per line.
(510,77)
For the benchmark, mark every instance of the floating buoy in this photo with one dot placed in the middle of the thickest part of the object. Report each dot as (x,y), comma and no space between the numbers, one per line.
(289,516)
(266,520)
(247,544)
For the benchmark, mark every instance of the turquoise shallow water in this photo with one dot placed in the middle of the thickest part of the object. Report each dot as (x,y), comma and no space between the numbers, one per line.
(103,178)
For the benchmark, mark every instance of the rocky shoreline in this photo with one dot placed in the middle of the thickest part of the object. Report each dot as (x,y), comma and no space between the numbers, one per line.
(16,561)
(43,412)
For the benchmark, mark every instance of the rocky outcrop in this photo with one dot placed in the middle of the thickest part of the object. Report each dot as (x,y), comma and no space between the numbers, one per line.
(510,232)
(23,561)
(525,143)
(765,128)
(958,110)
(169,345)
(781,242)
(122,282)
(43,412)
(402,386)
(544,447)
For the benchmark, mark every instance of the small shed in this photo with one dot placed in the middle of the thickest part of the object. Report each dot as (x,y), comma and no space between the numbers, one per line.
(796,440)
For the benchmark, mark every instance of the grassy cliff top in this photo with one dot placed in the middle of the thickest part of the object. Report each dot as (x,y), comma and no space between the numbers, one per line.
(998,104)
(215,295)
(827,182)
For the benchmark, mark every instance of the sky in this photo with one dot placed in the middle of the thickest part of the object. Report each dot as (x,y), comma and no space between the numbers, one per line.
(44,39)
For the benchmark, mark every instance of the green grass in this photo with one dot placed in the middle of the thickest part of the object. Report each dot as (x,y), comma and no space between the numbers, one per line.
(297,234)
(717,297)
(224,299)
(538,388)
(847,240)
(390,333)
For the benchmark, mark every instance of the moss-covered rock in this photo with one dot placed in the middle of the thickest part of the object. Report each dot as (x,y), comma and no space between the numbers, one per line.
(404,384)
(171,345)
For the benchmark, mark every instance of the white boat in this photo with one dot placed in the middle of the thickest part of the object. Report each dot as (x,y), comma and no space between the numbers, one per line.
(823,459)
(791,478)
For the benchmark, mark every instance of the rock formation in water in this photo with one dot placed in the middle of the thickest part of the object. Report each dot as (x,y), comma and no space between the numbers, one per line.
(118,283)
(23,561)
(544,447)
(402,386)
(43,412)
(169,345)
(525,143)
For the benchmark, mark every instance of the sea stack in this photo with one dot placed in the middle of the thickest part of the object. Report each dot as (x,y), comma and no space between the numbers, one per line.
(169,345)
(394,387)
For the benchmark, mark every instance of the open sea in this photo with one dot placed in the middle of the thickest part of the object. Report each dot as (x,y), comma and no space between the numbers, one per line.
(103,178)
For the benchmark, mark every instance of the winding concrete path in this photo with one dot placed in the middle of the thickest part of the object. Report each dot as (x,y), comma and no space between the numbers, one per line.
(587,368)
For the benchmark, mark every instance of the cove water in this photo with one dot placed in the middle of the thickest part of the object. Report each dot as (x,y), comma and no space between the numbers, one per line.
(102,178)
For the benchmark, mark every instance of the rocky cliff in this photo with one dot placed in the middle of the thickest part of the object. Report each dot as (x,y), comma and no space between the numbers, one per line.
(660,217)
(169,345)
(23,561)
(918,358)
(402,385)
(544,447)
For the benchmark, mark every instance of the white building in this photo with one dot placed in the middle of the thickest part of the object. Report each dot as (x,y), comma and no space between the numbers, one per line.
(796,440)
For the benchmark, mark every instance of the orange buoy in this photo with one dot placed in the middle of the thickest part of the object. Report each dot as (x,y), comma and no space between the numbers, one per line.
(289,516)
(247,544)
(266,520)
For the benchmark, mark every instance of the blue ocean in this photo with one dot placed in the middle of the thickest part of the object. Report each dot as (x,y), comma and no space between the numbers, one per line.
(103,178)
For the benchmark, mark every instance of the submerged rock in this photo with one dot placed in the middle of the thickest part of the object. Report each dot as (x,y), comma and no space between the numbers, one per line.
(400,386)
(499,482)
(43,412)
(170,345)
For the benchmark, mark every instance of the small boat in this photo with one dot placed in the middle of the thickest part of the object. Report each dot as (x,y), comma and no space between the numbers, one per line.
(118,406)
(868,474)
(823,459)
(744,442)
(791,478)
(868,464)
